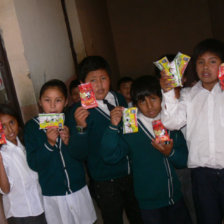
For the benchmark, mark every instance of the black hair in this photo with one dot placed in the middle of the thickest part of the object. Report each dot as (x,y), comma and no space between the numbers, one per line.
(145,86)
(54,83)
(209,45)
(92,63)
(123,80)
(73,84)
(6,109)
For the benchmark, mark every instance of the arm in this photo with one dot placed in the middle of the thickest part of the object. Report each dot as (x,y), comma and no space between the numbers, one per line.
(38,150)
(113,147)
(179,153)
(78,142)
(4,182)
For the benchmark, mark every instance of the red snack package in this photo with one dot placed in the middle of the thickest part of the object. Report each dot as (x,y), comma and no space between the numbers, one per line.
(2,135)
(88,99)
(160,131)
(221,76)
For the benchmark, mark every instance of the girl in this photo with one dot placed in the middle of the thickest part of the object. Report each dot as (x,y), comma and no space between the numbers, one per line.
(22,198)
(62,178)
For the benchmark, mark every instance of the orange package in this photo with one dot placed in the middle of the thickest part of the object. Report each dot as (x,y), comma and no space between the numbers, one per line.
(160,131)
(2,135)
(221,76)
(88,99)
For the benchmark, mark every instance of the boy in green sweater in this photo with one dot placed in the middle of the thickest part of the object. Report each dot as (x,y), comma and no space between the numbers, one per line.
(112,183)
(156,184)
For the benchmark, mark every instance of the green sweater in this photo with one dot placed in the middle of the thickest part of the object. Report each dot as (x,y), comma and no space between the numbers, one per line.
(155,181)
(59,173)
(87,145)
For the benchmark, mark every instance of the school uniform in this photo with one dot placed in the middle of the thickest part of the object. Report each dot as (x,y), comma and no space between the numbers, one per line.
(155,182)
(62,178)
(112,183)
(202,113)
(24,199)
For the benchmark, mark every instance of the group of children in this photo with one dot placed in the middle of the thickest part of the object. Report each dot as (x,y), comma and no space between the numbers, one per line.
(44,182)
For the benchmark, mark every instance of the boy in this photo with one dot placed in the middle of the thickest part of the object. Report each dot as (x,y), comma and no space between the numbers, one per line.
(74,91)
(112,183)
(201,109)
(157,187)
(124,87)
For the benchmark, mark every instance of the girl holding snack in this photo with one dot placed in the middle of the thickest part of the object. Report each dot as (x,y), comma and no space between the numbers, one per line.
(62,178)
(19,185)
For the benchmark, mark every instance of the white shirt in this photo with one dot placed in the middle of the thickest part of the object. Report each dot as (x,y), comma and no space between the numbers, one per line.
(110,98)
(24,198)
(202,112)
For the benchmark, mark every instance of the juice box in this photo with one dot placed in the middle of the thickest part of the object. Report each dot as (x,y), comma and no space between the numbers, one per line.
(130,124)
(51,120)
(160,131)
(2,135)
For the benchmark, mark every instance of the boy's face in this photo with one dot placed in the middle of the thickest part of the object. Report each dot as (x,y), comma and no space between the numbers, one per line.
(125,89)
(150,106)
(100,81)
(207,66)
(75,95)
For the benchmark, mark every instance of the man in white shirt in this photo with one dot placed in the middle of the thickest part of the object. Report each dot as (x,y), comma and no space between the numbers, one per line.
(201,109)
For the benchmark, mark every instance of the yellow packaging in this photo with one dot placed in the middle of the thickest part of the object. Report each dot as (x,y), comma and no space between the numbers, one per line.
(51,120)
(130,124)
(182,61)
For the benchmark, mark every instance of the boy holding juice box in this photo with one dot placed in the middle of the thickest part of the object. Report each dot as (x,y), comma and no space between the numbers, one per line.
(201,110)
(112,182)
(153,153)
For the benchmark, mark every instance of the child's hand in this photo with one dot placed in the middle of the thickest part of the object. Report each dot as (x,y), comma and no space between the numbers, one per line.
(165,84)
(116,115)
(52,134)
(80,116)
(64,134)
(165,149)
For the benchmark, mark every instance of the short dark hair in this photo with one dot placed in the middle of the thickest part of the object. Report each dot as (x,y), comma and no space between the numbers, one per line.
(124,80)
(73,84)
(145,86)
(92,63)
(209,45)
(54,83)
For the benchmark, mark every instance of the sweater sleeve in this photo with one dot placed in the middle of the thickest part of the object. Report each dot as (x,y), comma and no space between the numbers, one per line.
(39,151)
(113,146)
(179,154)
(174,111)
(78,142)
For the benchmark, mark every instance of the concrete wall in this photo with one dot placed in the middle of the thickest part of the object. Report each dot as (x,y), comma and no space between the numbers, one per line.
(145,30)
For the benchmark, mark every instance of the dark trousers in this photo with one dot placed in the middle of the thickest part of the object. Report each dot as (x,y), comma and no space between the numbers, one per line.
(208,194)
(115,196)
(174,214)
(40,219)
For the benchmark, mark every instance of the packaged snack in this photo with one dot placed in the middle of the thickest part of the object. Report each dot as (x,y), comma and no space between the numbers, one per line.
(174,69)
(88,99)
(130,124)
(221,76)
(51,120)
(2,135)
(160,131)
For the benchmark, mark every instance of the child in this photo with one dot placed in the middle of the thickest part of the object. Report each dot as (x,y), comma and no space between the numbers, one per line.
(201,108)
(74,91)
(124,87)
(19,185)
(62,178)
(112,183)
(157,187)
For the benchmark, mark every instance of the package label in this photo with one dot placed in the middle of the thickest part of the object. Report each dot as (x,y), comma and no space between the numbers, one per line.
(51,120)
(130,124)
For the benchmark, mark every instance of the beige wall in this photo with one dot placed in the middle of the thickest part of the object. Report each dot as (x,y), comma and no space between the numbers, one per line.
(96,30)
(145,30)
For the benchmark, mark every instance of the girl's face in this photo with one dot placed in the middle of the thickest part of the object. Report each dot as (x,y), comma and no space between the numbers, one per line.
(150,106)
(10,127)
(100,81)
(52,100)
(207,66)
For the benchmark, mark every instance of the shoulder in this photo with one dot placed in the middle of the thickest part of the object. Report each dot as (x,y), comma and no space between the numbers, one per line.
(31,124)
(177,135)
